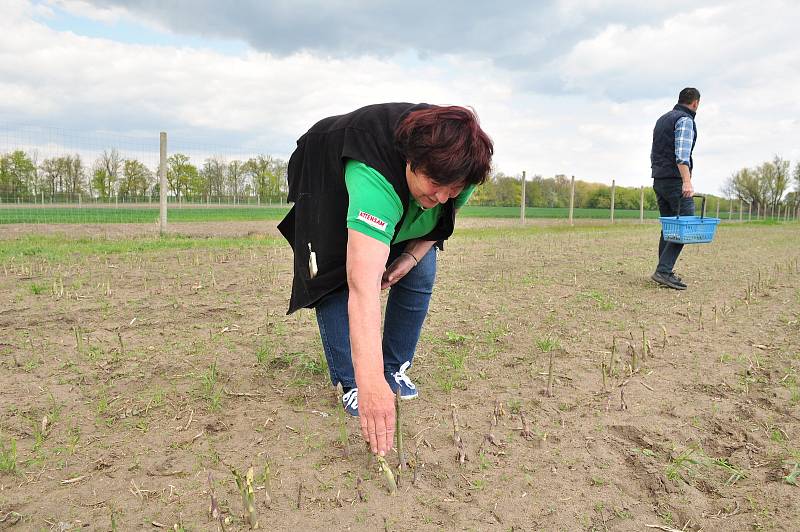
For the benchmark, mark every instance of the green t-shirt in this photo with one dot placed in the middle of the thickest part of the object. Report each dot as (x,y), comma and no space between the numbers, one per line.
(375,208)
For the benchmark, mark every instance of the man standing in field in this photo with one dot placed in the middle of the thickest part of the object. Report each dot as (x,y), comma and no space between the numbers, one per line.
(674,137)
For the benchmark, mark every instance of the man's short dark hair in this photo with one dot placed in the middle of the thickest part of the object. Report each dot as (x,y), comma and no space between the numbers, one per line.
(688,95)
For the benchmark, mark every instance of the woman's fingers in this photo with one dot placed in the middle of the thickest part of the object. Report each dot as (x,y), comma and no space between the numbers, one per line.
(384,433)
(396,271)
(372,437)
(389,440)
(364,429)
(377,417)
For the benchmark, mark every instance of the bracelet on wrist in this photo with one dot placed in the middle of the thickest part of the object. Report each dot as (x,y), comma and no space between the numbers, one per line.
(410,255)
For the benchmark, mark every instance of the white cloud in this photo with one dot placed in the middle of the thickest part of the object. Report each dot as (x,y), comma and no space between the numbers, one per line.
(85,9)
(618,77)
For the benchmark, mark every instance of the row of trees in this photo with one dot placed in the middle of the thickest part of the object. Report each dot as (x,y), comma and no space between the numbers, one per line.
(111,176)
(504,190)
(766,185)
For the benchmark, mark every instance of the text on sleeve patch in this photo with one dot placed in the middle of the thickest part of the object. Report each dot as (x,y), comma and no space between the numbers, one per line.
(374,221)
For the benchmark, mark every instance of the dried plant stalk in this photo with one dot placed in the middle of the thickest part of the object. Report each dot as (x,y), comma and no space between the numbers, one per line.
(401,455)
(268,483)
(634,360)
(78,340)
(603,371)
(213,509)
(612,359)
(644,345)
(459,443)
(527,433)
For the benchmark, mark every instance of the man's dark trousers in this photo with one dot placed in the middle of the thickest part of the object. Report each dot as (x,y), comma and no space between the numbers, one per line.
(670,203)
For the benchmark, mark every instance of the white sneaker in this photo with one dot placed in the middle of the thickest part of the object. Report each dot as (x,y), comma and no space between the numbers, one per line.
(399,379)
(350,402)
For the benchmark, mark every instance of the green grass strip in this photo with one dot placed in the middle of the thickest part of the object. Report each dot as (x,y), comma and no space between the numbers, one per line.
(554,212)
(202,213)
(108,215)
(59,248)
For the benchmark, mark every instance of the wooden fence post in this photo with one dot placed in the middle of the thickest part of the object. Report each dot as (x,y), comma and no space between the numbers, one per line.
(162,180)
(613,192)
(522,204)
(641,204)
(571,200)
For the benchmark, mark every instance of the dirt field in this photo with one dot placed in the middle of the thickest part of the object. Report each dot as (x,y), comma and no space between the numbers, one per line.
(127,381)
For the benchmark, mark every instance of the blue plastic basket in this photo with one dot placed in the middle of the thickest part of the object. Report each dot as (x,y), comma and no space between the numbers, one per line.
(689,229)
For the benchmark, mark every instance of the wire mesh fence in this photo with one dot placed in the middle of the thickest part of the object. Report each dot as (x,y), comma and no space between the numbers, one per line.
(51,175)
(54,175)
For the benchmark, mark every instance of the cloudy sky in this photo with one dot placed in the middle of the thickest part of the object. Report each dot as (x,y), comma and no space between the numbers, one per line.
(563,86)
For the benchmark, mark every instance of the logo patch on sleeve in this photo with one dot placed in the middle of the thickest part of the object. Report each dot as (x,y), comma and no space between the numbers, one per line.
(374,221)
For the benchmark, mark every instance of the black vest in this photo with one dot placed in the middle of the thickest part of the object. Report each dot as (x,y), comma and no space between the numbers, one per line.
(318,191)
(662,154)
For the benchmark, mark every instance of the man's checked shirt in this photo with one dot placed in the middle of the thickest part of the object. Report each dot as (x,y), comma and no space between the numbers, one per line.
(684,137)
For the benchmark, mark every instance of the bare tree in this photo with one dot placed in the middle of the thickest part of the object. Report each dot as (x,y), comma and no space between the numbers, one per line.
(75,175)
(106,173)
(236,178)
(797,177)
(775,175)
(213,174)
(54,175)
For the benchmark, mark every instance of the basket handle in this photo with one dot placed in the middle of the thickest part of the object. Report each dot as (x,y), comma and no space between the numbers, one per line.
(702,208)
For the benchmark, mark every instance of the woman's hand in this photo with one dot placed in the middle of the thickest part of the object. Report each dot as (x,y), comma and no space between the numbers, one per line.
(397,269)
(376,414)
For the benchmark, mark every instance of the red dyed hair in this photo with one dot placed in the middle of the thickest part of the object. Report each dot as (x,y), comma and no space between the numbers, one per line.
(447,144)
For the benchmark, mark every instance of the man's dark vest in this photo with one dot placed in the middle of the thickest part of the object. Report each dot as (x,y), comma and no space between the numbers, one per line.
(662,154)
(317,189)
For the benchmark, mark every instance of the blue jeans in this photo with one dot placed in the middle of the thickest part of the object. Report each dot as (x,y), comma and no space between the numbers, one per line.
(406,309)
(669,193)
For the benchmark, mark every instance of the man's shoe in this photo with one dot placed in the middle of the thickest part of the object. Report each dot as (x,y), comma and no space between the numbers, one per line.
(400,380)
(665,279)
(677,279)
(350,402)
